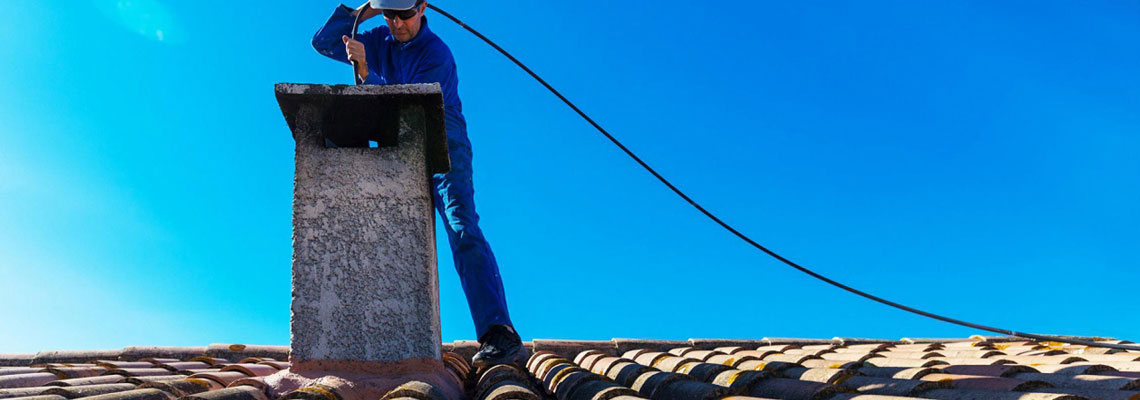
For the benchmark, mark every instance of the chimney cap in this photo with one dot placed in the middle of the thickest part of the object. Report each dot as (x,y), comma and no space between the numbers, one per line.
(357,114)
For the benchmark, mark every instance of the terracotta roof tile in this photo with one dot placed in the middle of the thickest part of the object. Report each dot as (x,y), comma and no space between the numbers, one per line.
(158,360)
(904,362)
(822,375)
(184,365)
(508,391)
(139,380)
(739,381)
(895,372)
(608,364)
(989,383)
(123,364)
(234,393)
(1073,369)
(138,353)
(769,341)
(74,356)
(892,387)
(6,393)
(313,391)
(73,392)
(241,351)
(573,346)
(708,344)
(841,369)
(1003,370)
(87,381)
(779,348)
(862,342)
(1131,366)
(649,381)
(27,380)
(135,394)
(222,378)
(17,370)
(857,396)
(1095,394)
(138,371)
(791,389)
(183,387)
(44,397)
(627,372)
(624,345)
(948,394)
(251,369)
(210,360)
(704,372)
(689,389)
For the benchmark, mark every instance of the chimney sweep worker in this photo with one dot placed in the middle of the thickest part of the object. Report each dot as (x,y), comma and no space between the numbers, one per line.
(406,51)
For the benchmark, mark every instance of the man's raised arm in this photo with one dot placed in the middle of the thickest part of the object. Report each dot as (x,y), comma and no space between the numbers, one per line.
(329,39)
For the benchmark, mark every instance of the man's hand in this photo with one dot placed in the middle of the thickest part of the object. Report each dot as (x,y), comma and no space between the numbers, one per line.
(355,51)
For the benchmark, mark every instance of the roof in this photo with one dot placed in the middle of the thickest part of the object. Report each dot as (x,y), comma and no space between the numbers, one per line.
(621,369)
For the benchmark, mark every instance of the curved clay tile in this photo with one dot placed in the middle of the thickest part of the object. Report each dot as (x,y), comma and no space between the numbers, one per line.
(89,390)
(27,380)
(280,365)
(234,393)
(18,370)
(171,353)
(251,369)
(93,380)
(603,365)
(415,390)
(313,392)
(74,356)
(16,359)
(137,372)
(955,394)
(183,387)
(184,365)
(222,378)
(1001,370)
(210,360)
(111,364)
(140,380)
(134,394)
(782,388)
(892,387)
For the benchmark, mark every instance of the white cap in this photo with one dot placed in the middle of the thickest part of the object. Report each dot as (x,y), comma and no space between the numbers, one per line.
(392,4)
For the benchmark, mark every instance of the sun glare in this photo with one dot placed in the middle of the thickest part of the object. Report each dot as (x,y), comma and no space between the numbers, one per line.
(148,18)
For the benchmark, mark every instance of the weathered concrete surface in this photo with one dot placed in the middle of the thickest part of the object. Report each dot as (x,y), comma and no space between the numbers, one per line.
(365,284)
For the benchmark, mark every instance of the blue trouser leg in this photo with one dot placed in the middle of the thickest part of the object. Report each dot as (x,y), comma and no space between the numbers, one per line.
(454,198)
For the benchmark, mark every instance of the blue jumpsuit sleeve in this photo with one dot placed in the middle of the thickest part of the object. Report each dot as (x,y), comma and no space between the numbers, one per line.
(435,68)
(327,40)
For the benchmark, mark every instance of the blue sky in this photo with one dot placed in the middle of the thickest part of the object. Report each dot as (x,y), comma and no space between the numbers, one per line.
(972,158)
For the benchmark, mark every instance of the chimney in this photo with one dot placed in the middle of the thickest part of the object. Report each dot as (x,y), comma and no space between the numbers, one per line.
(365,285)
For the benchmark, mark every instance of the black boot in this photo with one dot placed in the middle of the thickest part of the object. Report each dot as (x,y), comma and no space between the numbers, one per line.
(499,345)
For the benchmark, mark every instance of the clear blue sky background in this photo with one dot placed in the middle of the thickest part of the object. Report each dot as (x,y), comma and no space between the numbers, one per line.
(979,159)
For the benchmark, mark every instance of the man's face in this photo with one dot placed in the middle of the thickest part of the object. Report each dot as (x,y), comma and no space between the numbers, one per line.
(406,29)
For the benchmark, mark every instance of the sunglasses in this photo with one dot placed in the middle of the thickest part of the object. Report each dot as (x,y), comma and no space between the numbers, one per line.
(402,14)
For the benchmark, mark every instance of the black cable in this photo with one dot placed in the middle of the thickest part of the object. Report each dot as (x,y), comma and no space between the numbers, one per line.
(355,26)
(753,242)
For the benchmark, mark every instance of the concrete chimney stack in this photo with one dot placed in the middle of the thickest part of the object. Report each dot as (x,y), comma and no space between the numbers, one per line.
(365,285)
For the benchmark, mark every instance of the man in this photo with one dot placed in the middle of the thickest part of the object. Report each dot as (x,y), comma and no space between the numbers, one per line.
(406,51)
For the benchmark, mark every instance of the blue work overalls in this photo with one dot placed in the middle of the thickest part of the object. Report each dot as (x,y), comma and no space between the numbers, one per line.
(426,59)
